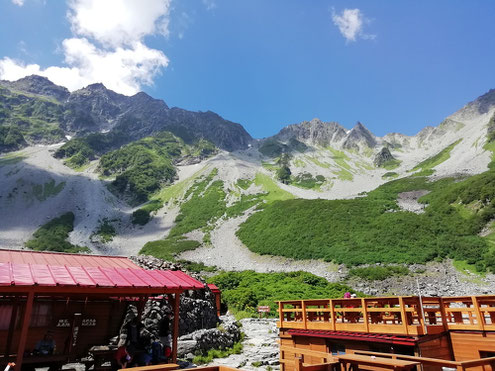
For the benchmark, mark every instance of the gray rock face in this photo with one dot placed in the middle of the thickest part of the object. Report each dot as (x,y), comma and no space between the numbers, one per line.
(383,157)
(96,109)
(38,85)
(319,133)
(313,132)
(359,135)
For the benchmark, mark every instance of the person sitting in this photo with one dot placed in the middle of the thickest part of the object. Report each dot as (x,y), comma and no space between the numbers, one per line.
(45,346)
(121,358)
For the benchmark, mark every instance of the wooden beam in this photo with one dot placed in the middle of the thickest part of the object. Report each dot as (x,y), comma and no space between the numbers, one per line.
(176,327)
(365,314)
(25,326)
(479,315)
(403,315)
(13,318)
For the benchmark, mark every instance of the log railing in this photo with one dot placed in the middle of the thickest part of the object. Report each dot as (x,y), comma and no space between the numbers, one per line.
(409,315)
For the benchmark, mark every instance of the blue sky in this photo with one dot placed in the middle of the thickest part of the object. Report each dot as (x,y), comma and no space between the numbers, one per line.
(393,65)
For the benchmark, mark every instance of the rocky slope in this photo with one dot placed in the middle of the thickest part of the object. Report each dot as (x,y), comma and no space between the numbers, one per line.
(35,187)
(96,109)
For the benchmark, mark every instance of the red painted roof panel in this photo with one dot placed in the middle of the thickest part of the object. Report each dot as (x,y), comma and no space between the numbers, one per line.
(28,268)
(72,260)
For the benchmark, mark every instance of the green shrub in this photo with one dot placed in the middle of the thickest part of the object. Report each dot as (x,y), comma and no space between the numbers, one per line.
(379,273)
(167,249)
(140,216)
(105,231)
(245,291)
(372,229)
(53,235)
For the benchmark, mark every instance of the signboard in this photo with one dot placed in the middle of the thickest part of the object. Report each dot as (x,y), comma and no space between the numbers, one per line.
(263,309)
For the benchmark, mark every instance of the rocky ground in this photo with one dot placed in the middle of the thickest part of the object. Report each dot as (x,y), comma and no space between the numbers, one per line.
(260,346)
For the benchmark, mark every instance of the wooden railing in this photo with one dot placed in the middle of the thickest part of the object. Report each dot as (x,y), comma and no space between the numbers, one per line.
(391,315)
(291,356)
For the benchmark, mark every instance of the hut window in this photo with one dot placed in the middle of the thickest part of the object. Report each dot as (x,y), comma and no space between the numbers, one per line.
(42,315)
(5,314)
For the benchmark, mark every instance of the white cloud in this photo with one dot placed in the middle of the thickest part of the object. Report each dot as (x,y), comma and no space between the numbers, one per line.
(18,2)
(210,4)
(108,46)
(118,22)
(350,23)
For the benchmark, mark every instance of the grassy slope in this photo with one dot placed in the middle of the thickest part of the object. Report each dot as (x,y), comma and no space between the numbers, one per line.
(365,231)
(442,156)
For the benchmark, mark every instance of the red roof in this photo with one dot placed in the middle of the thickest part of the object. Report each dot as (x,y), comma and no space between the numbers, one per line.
(359,336)
(214,288)
(48,270)
(57,258)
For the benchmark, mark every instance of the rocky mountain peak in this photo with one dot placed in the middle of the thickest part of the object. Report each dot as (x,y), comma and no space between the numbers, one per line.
(38,85)
(314,132)
(383,157)
(359,135)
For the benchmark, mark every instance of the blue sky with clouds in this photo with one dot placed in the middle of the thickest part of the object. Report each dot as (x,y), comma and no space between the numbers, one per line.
(393,65)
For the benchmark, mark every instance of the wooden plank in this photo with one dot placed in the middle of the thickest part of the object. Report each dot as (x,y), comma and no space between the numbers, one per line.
(403,315)
(333,319)
(165,366)
(479,316)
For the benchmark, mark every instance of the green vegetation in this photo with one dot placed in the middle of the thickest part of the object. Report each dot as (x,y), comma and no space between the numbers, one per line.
(218,353)
(318,162)
(47,190)
(344,174)
(167,249)
(379,273)
(53,235)
(340,158)
(427,165)
(245,202)
(244,183)
(11,159)
(273,191)
(391,164)
(244,291)
(143,166)
(27,118)
(306,180)
(390,175)
(105,231)
(283,172)
(206,204)
(364,230)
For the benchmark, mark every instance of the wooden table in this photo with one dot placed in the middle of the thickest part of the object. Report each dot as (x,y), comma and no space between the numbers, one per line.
(356,360)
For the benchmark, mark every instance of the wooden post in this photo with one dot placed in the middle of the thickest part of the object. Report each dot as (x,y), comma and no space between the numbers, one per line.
(365,315)
(281,314)
(479,315)
(298,363)
(25,326)
(444,315)
(332,312)
(13,317)
(305,318)
(176,326)
(403,315)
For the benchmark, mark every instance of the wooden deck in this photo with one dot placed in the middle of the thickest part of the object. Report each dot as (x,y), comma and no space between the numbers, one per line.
(402,315)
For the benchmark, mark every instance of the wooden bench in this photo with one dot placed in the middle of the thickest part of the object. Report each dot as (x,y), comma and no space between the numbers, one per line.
(356,360)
